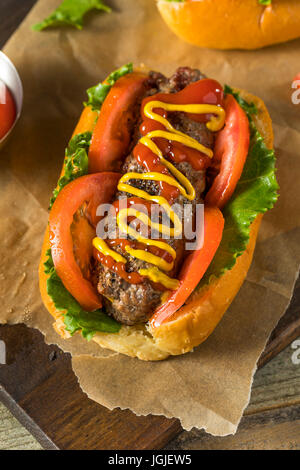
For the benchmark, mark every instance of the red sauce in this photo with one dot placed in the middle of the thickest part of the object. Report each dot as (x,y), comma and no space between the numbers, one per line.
(7,110)
(148,208)
(118,268)
(202,92)
(161,253)
(205,91)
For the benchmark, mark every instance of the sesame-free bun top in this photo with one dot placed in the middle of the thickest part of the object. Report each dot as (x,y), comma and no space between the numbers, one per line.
(232,24)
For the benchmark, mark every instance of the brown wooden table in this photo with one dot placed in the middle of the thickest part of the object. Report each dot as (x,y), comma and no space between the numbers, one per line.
(272,419)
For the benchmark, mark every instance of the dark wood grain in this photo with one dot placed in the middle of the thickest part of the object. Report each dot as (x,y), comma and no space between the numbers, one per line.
(276,429)
(40,388)
(287,330)
(12,12)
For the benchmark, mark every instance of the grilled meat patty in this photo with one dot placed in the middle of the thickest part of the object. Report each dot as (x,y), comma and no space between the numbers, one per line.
(134,303)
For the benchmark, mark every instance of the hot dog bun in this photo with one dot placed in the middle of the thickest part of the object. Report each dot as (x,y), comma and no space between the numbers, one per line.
(198,318)
(232,24)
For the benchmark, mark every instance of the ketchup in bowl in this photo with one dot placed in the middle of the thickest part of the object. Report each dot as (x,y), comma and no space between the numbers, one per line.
(7,110)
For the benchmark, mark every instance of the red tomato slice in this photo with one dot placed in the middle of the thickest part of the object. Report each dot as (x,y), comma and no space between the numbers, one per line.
(231,149)
(205,91)
(72,224)
(7,110)
(194,266)
(111,136)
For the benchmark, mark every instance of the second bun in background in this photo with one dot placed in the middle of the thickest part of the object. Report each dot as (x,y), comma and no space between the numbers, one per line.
(232,24)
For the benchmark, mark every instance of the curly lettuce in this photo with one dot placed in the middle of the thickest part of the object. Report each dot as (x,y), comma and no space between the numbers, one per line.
(75,163)
(71,13)
(76,154)
(75,318)
(98,93)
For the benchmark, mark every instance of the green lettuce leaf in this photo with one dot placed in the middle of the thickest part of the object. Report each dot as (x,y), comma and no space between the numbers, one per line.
(75,163)
(256,192)
(249,108)
(98,93)
(71,12)
(75,318)
(76,155)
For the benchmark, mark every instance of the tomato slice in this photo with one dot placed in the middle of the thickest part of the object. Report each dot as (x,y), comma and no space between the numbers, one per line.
(231,149)
(72,223)
(7,110)
(111,136)
(205,91)
(194,267)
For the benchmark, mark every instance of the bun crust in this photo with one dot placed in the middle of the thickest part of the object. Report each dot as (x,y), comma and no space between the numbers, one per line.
(232,24)
(196,320)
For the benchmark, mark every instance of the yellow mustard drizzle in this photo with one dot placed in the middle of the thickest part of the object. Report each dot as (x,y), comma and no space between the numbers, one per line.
(178,180)
(101,246)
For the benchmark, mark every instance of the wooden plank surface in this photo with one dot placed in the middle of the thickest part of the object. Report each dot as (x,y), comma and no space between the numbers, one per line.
(272,419)
(13,436)
(42,391)
(12,13)
(271,430)
(39,387)
(287,329)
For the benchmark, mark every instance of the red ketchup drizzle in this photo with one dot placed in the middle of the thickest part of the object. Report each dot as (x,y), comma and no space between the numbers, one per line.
(118,268)
(205,91)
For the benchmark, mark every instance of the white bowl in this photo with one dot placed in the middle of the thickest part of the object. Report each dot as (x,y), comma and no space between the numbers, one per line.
(9,75)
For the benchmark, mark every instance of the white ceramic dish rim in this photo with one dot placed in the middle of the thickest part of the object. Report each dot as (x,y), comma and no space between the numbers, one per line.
(10,76)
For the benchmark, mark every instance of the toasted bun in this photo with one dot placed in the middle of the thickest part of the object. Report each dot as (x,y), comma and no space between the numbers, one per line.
(232,24)
(196,320)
